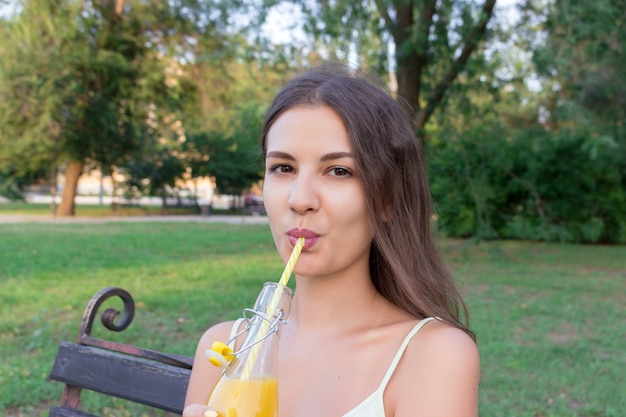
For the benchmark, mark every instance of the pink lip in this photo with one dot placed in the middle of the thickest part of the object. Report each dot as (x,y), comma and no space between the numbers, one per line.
(309,236)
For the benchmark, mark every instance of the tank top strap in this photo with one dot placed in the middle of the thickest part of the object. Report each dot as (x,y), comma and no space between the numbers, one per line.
(233,332)
(401,350)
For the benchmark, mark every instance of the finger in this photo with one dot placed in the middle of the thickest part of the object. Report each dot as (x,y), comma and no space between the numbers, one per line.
(199,410)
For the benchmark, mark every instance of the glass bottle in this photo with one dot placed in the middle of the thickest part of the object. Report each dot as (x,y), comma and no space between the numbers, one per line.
(248,386)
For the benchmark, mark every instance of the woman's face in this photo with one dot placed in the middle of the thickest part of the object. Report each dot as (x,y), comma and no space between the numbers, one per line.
(312,189)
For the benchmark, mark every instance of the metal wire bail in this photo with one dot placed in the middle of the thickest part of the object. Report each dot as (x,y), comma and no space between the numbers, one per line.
(248,314)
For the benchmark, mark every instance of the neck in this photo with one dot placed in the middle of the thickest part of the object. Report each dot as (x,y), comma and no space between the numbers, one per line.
(326,305)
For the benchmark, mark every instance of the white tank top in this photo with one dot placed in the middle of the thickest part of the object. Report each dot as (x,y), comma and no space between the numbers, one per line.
(373,406)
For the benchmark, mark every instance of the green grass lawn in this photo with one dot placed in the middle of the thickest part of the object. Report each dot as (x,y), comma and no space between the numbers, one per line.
(549,317)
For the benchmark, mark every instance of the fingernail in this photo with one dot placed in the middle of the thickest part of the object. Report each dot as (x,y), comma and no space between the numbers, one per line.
(211,413)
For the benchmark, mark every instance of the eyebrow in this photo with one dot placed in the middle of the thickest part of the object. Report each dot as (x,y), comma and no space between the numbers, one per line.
(278,154)
(327,157)
(336,155)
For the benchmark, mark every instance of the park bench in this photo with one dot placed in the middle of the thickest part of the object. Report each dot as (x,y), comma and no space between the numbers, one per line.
(115,369)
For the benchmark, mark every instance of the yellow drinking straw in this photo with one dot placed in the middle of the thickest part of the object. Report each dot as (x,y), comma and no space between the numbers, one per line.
(284,279)
(291,263)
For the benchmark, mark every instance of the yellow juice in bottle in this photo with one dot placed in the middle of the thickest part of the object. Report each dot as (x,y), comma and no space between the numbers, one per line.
(237,397)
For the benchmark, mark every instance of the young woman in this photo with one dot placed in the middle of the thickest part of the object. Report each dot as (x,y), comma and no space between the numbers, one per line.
(376,326)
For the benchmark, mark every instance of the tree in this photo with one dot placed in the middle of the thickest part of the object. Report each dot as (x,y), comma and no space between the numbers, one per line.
(432,41)
(30,120)
(236,161)
(81,82)
(230,156)
(154,174)
(76,74)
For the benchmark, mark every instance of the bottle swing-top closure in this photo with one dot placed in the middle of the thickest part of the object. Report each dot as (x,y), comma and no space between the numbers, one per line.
(221,354)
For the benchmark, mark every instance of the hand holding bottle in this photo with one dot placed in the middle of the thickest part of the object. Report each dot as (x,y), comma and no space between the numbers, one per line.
(199,410)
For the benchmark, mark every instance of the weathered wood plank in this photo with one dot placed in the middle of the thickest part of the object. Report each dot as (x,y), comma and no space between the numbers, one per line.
(136,379)
(67,412)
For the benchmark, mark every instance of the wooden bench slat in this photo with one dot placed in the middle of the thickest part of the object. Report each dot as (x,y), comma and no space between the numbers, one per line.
(67,412)
(136,379)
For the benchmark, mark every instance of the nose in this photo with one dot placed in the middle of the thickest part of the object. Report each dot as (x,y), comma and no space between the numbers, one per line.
(304,195)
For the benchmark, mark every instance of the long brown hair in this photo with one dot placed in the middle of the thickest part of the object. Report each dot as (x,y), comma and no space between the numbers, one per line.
(405,265)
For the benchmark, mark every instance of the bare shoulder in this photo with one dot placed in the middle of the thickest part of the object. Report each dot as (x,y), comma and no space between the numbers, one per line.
(220,331)
(438,374)
(444,341)
(204,375)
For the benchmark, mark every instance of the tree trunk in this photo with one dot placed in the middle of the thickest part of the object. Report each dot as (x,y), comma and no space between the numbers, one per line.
(411,65)
(163,201)
(471,42)
(72,175)
(408,75)
(53,189)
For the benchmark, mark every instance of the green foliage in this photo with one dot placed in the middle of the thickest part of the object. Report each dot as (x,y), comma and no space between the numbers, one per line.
(236,162)
(153,174)
(11,188)
(583,53)
(222,141)
(550,164)
(32,86)
(530,184)
(345,31)
(14,180)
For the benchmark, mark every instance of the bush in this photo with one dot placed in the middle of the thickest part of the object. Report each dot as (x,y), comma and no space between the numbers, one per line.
(568,186)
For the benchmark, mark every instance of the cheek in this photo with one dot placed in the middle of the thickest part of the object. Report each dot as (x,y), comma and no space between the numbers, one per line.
(354,214)
(275,204)
(271,199)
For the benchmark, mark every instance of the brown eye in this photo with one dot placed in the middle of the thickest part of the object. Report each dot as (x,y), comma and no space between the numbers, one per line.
(281,168)
(340,172)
